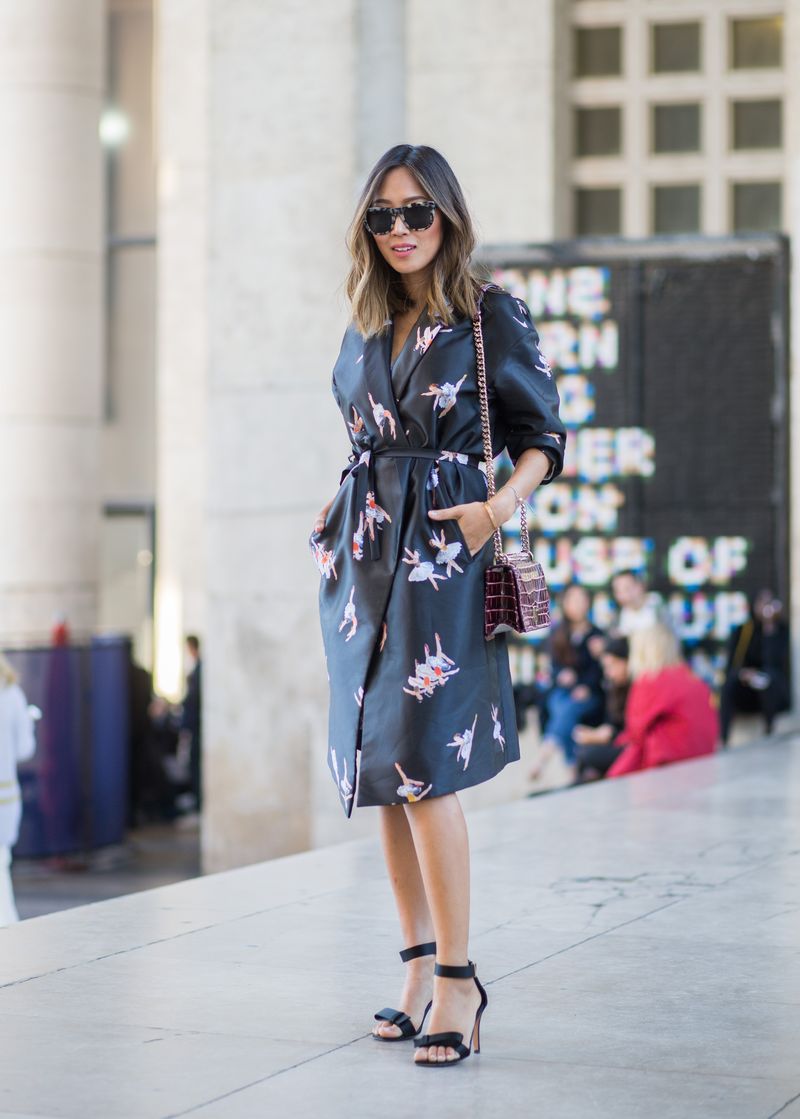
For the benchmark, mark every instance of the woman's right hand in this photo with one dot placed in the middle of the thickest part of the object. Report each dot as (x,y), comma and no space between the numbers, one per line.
(322,517)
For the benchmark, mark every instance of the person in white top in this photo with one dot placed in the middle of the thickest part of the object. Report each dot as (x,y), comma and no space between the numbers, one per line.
(17,744)
(637,609)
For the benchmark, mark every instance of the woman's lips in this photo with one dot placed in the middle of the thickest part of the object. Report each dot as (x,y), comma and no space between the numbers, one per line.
(402,250)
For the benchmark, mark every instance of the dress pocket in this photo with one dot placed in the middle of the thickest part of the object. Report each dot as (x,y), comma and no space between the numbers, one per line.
(443,499)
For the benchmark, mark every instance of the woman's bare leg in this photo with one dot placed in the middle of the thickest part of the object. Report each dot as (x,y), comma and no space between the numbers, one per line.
(416,924)
(440,837)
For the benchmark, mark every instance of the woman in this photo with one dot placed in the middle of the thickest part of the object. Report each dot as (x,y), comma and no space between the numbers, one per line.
(577,678)
(421,705)
(17,744)
(595,747)
(757,673)
(670,714)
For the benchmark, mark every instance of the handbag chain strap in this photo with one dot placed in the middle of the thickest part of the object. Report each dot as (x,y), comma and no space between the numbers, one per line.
(477,330)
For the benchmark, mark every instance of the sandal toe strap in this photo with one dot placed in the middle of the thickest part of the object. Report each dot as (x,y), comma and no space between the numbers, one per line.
(397,1018)
(453,1040)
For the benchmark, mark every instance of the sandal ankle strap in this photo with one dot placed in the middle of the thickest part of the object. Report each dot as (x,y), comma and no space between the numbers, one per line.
(417,950)
(447,971)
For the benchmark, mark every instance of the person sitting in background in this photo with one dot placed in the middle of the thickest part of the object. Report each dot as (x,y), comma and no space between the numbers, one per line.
(17,744)
(637,609)
(576,693)
(595,749)
(757,675)
(670,714)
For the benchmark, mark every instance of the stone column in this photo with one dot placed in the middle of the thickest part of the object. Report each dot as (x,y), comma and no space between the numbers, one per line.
(51,312)
(182,333)
(481,88)
(253,218)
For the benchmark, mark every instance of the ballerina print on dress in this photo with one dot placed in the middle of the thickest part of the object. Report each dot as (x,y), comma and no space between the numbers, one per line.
(444,395)
(349,616)
(375,515)
(358,539)
(446,553)
(432,673)
(384,635)
(421,570)
(497,730)
(453,456)
(345,788)
(357,426)
(464,743)
(359,696)
(425,337)
(382,415)
(325,559)
(411,790)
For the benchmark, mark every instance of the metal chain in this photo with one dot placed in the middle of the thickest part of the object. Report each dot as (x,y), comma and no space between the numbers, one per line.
(480,360)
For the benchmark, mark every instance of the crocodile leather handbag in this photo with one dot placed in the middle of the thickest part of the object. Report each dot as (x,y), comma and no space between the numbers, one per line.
(516,594)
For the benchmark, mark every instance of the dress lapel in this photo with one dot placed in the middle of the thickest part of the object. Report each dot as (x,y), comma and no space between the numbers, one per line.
(380,396)
(420,338)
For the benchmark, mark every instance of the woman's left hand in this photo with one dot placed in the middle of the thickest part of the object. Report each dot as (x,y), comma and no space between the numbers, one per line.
(473,521)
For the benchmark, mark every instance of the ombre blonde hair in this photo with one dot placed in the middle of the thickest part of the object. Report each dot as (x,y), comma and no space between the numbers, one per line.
(653,649)
(374,289)
(7,673)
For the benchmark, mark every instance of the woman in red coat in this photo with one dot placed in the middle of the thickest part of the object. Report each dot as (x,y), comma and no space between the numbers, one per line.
(670,714)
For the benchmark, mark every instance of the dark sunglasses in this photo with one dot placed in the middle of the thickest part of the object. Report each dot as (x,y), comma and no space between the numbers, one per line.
(416,216)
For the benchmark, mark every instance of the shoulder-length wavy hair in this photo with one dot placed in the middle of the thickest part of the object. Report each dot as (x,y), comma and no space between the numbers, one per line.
(374,289)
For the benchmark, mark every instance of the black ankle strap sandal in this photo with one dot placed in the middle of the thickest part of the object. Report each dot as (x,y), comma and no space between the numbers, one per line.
(398,1017)
(455,1040)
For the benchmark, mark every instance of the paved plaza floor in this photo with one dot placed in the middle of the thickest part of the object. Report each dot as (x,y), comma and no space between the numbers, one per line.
(639,939)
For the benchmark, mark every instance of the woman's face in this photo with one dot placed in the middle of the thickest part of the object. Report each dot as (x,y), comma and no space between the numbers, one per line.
(575,604)
(615,669)
(407,251)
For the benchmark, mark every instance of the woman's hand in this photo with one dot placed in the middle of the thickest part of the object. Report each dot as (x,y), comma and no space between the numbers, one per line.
(581,693)
(593,736)
(322,517)
(473,521)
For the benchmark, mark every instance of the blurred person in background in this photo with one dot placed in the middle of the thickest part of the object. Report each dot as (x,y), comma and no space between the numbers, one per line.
(757,673)
(637,608)
(17,744)
(576,692)
(670,713)
(190,739)
(595,746)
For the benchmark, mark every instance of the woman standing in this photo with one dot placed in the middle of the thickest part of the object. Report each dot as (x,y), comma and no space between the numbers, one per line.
(17,744)
(420,704)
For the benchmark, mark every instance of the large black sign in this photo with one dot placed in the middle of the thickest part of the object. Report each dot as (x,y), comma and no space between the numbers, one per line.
(671,361)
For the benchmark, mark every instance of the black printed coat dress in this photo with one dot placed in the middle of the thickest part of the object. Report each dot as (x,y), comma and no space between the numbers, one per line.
(420,703)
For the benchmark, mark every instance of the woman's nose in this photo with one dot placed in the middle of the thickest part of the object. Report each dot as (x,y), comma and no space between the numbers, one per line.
(403,227)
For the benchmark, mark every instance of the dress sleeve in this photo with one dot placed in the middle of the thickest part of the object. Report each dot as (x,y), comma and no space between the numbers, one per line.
(527,402)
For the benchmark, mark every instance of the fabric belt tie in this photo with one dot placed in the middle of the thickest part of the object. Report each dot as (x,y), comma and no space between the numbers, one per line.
(367,482)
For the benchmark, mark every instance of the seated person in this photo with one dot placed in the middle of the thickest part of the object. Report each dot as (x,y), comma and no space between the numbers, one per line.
(576,691)
(670,714)
(595,749)
(757,675)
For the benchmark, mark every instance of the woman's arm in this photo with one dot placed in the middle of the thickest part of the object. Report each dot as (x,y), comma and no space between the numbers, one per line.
(473,518)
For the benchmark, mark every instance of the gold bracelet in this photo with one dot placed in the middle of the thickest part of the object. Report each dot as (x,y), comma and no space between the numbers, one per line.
(492,517)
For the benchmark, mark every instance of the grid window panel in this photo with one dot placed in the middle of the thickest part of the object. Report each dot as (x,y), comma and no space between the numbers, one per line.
(598,52)
(757,124)
(756,43)
(598,131)
(676,209)
(676,128)
(757,207)
(676,47)
(598,211)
